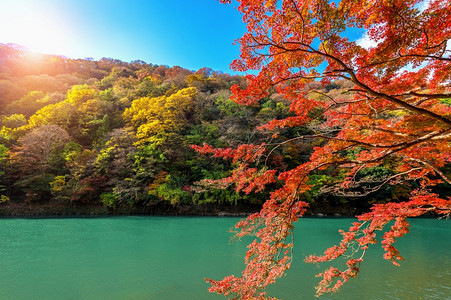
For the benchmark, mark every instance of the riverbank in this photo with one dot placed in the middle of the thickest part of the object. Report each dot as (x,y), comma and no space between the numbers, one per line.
(163,209)
(160,209)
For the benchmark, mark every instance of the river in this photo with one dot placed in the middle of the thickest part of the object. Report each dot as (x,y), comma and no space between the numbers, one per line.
(168,257)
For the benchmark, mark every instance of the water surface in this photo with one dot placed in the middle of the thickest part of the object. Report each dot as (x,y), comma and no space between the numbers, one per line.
(168,257)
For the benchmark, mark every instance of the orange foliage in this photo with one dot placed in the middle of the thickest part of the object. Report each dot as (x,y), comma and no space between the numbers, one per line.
(394,114)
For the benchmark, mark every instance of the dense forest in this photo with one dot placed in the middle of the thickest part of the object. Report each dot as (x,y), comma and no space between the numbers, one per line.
(80,132)
(117,134)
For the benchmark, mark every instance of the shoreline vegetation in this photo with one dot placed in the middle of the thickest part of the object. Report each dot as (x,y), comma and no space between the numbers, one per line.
(161,209)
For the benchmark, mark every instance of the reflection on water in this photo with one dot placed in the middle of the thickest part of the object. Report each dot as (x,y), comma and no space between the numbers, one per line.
(168,257)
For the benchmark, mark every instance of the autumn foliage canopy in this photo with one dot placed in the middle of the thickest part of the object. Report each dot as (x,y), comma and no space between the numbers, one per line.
(396,113)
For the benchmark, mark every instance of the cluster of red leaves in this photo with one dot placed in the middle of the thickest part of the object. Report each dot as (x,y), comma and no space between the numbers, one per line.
(246,178)
(245,153)
(394,115)
(269,256)
(363,233)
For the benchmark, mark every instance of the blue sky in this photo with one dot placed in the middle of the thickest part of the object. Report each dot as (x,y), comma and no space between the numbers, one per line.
(191,34)
(187,33)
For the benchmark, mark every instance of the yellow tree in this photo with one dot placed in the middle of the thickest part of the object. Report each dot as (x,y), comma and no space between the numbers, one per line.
(158,117)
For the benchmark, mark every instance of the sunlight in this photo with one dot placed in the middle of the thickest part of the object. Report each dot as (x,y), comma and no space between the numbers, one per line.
(39,29)
(42,36)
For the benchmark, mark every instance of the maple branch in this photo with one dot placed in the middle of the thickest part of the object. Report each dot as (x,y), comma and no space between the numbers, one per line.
(395,10)
(436,170)
(426,56)
(441,44)
(299,13)
(400,56)
(429,96)
(366,88)
(401,103)
(367,190)
(401,146)
(322,94)
(412,93)
(397,147)
(391,131)
(277,145)
(376,159)
(382,95)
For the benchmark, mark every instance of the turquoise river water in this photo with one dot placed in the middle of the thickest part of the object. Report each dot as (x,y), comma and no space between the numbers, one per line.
(168,257)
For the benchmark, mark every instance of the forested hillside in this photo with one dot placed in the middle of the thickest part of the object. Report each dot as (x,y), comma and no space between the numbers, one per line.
(82,132)
(117,134)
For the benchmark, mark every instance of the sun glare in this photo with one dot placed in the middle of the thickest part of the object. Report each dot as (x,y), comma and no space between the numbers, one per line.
(37,28)
(41,36)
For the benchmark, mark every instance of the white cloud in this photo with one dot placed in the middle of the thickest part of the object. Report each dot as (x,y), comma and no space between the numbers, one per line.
(366,42)
(422,6)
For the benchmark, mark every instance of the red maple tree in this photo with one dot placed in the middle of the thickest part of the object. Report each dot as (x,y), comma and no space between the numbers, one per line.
(395,114)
